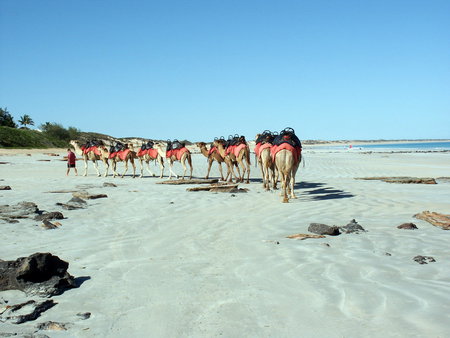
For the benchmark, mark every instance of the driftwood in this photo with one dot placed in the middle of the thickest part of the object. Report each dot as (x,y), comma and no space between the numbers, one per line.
(403,180)
(436,219)
(192,181)
(219,187)
(86,196)
(5,187)
(304,236)
(61,191)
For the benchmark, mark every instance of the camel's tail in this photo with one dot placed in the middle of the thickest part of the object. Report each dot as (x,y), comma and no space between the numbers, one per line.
(247,155)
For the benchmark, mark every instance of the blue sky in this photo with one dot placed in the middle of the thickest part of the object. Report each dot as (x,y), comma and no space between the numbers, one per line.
(200,69)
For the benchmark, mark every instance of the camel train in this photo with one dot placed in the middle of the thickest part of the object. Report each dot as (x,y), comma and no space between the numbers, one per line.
(278,155)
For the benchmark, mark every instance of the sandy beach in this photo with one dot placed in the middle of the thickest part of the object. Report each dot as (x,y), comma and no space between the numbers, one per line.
(158,261)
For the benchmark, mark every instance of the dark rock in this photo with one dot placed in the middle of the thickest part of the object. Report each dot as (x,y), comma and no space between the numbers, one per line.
(10,213)
(403,180)
(435,218)
(424,259)
(70,206)
(84,315)
(74,203)
(88,196)
(352,227)
(5,187)
(24,209)
(409,226)
(108,184)
(54,326)
(25,312)
(49,225)
(41,273)
(49,216)
(323,229)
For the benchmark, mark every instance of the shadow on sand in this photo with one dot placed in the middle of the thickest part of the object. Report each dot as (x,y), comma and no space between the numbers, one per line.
(318,191)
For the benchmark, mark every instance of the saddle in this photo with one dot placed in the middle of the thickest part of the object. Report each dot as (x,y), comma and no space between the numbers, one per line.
(117,147)
(287,135)
(148,145)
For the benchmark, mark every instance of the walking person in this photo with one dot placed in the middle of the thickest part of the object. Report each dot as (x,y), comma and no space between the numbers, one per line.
(71,159)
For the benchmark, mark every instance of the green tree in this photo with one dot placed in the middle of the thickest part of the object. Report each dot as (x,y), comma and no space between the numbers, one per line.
(26,120)
(6,120)
(55,131)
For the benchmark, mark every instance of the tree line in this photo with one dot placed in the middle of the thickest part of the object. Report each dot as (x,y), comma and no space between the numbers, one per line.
(15,136)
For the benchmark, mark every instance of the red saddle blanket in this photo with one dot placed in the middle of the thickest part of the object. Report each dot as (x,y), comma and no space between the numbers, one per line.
(235,149)
(153,153)
(286,146)
(93,149)
(260,147)
(177,153)
(122,154)
(212,150)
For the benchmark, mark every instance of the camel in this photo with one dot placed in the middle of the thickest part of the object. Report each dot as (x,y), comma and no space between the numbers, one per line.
(238,161)
(129,157)
(146,157)
(287,166)
(266,163)
(213,156)
(90,156)
(185,156)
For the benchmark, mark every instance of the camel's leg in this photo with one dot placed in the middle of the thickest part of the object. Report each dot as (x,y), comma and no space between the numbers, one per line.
(106,163)
(210,161)
(265,170)
(238,176)
(284,183)
(85,166)
(126,168)
(114,167)
(190,165)
(248,171)
(96,167)
(229,170)
(241,166)
(220,170)
(261,166)
(183,163)
(161,166)
(294,171)
(141,163)
(272,175)
(134,166)
(171,169)
(148,168)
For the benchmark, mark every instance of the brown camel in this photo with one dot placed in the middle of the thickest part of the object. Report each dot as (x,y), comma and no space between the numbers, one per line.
(220,145)
(213,156)
(130,156)
(147,158)
(267,165)
(185,156)
(287,166)
(242,156)
(90,156)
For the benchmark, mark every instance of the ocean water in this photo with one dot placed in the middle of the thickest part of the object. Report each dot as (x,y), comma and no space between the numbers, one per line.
(407,146)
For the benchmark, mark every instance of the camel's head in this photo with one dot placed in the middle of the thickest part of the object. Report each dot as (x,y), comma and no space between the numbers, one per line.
(159,145)
(201,144)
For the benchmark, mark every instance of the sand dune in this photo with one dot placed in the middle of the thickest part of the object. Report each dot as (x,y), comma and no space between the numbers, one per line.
(159,261)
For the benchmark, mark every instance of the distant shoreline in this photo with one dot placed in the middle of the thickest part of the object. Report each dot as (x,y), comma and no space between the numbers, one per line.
(363,142)
(309,143)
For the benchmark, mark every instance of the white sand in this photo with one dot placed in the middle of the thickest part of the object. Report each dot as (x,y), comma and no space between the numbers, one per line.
(209,264)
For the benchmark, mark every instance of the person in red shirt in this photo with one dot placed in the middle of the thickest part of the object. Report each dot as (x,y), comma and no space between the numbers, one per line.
(71,158)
